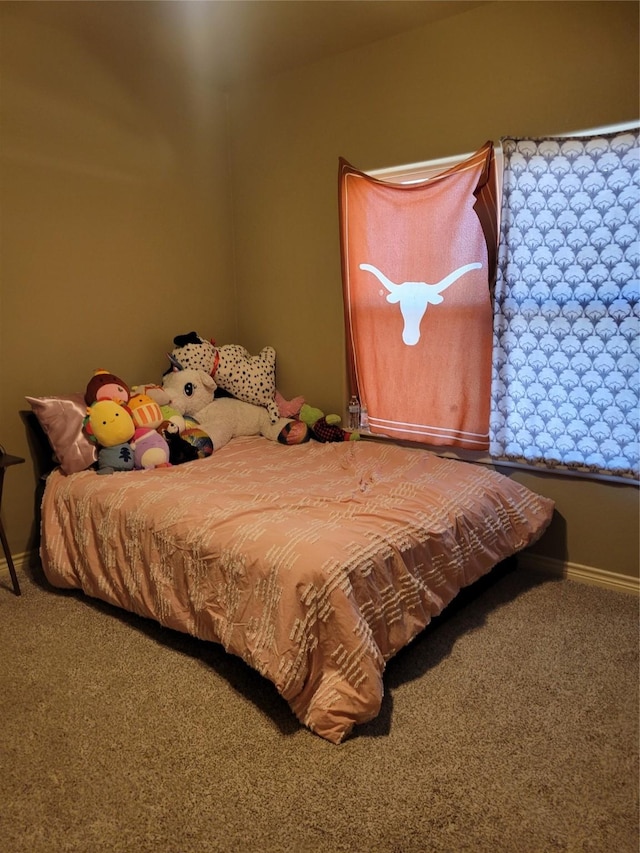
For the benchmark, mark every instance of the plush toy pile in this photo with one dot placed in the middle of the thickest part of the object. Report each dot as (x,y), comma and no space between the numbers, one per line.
(191,392)
(124,426)
(186,418)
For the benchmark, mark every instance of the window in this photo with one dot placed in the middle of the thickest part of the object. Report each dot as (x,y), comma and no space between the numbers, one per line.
(566,310)
(566,358)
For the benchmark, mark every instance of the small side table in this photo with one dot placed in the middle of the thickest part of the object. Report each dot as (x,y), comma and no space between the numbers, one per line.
(6,460)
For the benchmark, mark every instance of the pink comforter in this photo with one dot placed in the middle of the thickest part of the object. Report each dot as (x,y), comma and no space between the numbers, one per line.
(314,563)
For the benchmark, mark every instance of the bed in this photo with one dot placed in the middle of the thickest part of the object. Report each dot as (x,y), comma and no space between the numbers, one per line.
(314,563)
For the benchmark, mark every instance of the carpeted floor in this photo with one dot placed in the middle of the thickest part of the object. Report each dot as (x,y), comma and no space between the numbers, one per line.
(511,725)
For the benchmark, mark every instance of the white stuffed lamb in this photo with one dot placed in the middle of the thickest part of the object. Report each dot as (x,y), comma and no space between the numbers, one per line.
(191,393)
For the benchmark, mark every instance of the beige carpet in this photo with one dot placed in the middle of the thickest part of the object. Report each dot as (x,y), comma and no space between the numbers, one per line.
(511,725)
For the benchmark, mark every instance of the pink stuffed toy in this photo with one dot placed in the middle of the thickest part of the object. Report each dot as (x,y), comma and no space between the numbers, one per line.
(150,449)
(288,408)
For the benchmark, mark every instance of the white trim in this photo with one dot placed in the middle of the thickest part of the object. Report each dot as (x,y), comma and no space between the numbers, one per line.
(560,470)
(416,173)
(441,164)
(20,562)
(481,457)
(606,128)
(576,572)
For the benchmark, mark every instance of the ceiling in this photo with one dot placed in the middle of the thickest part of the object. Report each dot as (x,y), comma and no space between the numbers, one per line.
(232,41)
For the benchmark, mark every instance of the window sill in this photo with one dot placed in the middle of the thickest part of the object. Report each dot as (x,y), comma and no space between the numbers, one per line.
(483,458)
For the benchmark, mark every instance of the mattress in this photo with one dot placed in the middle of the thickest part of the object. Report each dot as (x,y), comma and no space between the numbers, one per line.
(314,563)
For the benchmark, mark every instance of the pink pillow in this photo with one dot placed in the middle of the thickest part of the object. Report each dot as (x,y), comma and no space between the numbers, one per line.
(61,419)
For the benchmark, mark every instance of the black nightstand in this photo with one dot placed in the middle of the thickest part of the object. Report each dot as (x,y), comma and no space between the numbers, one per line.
(6,460)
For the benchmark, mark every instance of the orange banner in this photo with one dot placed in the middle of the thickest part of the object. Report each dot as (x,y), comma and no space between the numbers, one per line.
(418,264)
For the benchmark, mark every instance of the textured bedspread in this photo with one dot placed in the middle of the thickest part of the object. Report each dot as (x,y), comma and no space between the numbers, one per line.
(313,563)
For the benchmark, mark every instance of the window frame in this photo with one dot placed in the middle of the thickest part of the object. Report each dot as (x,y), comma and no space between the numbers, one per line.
(417,172)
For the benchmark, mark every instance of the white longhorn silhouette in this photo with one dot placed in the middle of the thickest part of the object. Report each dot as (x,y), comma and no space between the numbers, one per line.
(415,296)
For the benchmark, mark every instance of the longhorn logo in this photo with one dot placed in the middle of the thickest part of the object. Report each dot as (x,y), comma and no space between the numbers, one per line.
(415,296)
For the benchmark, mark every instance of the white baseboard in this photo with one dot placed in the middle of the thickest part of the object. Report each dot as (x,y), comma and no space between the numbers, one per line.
(526,559)
(576,572)
(20,562)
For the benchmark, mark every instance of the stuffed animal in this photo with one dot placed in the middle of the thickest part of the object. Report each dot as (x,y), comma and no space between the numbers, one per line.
(106,386)
(191,352)
(198,438)
(174,416)
(325,428)
(157,393)
(180,449)
(150,449)
(191,394)
(116,458)
(288,408)
(251,379)
(152,390)
(145,411)
(110,425)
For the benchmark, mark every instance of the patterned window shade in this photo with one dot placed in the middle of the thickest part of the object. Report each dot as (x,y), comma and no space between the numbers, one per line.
(566,366)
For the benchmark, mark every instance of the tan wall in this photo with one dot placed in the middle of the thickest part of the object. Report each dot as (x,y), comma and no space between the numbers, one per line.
(114,220)
(506,68)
